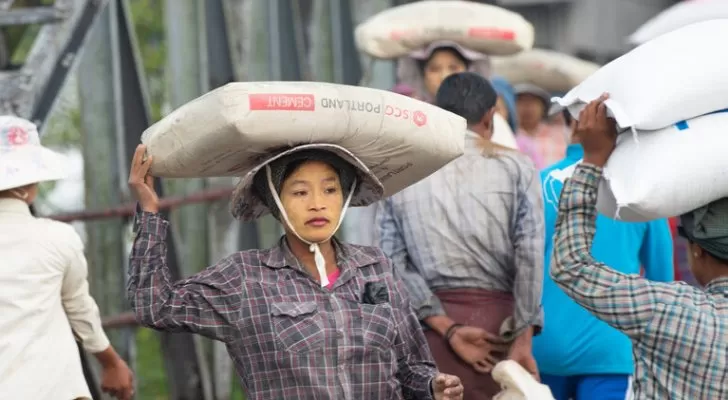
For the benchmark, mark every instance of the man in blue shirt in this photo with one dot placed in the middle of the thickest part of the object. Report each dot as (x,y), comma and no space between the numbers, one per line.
(579,356)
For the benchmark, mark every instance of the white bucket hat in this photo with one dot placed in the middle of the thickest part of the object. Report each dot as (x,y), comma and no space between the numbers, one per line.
(23,160)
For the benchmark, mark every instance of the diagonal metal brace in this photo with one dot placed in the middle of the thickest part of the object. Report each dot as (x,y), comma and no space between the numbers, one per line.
(32,15)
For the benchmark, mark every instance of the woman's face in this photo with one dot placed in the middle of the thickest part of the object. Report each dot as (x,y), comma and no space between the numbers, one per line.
(313,200)
(530,110)
(442,63)
(501,108)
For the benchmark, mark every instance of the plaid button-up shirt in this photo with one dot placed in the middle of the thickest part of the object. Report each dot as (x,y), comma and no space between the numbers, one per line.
(288,337)
(679,332)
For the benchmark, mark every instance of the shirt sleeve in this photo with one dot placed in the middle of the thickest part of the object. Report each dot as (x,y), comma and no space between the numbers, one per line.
(206,303)
(424,302)
(656,253)
(416,367)
(81,309)
(626,302)
(528,242)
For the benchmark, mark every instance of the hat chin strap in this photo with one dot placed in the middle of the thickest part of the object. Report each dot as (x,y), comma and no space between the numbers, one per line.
(20,194)
(314,248)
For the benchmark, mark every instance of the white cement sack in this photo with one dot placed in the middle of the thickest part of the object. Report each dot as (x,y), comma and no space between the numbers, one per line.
(679,15)
(229,130)
(667,172)
(677,76)
(502,133)
(550,70)
(400,30)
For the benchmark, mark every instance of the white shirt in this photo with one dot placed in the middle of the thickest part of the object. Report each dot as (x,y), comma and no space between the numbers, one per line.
(44,300)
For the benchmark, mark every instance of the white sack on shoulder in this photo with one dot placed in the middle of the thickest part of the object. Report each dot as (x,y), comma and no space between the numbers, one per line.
(679,15)
(230,130)
(485,28)
(549,70)
(667,172)
(677,76)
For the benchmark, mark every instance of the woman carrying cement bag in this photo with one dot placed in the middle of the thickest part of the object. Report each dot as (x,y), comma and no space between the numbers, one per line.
(645,85)
(667,172)
(550,70)
(481,27)
(312,317)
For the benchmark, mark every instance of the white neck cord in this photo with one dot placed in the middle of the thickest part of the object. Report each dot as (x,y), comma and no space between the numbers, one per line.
(314,248)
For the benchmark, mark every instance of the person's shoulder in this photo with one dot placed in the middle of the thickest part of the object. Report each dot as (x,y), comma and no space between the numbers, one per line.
(57,233)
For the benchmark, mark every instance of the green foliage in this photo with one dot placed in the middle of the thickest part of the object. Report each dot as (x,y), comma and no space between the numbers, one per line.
(148,20)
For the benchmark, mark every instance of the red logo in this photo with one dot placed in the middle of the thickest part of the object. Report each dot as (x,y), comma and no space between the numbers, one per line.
(486,32)
(17,136)
(282,102)
(401,34)
(419,118)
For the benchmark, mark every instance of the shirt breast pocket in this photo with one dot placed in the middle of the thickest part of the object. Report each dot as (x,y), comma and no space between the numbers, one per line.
(378,326)
(298,326)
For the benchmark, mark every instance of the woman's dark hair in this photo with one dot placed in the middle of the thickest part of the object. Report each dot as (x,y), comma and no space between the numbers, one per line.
(291,168)
(423,63)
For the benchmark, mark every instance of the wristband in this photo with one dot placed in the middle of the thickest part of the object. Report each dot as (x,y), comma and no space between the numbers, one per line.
(451,331)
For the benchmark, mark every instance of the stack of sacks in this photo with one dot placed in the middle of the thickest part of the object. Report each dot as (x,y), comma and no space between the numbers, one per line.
(669,95)
(677,16)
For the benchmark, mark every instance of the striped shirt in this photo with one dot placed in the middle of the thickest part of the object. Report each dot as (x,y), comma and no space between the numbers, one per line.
(679,332)
(289,338)
(475,223)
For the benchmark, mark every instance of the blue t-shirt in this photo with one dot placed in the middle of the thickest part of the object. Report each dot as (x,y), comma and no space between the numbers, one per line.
(574,342)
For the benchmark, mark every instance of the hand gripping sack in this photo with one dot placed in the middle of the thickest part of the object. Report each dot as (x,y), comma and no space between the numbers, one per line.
(232,129)
(400,30)
(668,172)
(677,76)
(518,384)
(679,15)
(550,70)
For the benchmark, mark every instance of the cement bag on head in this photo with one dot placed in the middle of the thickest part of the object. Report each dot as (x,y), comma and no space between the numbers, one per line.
(400,30)
(231,129)
(550,70)
(679,15)
(677,76)
(667,172)
(518,384)
(502,133)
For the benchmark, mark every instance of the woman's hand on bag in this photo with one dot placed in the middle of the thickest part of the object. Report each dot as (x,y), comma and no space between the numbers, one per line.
(597,132)
(141,183)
